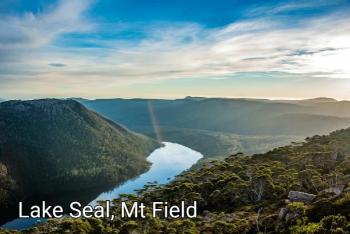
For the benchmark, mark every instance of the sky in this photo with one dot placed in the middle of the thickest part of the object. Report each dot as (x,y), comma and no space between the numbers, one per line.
(172,49)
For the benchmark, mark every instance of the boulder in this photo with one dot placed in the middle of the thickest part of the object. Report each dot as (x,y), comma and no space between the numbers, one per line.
(290,216)
(297,196)
(3,170)
(282,213)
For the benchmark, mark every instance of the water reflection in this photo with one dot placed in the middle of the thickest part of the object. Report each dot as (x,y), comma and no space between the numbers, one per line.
(167,162)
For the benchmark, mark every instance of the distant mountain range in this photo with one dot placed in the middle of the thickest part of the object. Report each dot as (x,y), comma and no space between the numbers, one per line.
(187,120)
(53,146)
(239,116)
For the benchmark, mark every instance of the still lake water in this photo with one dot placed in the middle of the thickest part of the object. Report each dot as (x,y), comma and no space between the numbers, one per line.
(167,162)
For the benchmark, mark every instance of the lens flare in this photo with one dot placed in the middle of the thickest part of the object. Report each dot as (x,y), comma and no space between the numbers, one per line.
(154,120)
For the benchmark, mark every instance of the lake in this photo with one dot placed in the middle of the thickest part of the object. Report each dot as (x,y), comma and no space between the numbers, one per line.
(167,162)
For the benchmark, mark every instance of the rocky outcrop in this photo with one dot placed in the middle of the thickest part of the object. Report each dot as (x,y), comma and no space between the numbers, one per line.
(286,214)
(336,190)
(297,196)
(330,193)
(3,170)
(282,213)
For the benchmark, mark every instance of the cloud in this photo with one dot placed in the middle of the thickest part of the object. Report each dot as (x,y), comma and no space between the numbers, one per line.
(57,64)
(302,52)
(290,6)
(317,47)
(29,32)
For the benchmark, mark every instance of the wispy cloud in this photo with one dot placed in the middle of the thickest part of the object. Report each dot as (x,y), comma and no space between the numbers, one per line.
(29,50)
(57,64)
(28,33)
(290,6)
(188,50)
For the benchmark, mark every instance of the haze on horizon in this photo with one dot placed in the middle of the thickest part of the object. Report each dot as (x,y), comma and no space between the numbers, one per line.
(172,49)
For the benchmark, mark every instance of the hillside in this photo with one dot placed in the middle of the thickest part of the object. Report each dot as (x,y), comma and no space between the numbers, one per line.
(239,116)
(218,145)
(52,146)
(318,100)
(257,121)
(301,188)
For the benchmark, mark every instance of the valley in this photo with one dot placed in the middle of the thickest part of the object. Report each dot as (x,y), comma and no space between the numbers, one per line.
(167,162)
(174,117)
(301,188)
(97,156)
(218,127)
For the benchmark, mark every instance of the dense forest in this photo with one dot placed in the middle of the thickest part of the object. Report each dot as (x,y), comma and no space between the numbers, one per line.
(299,188)
(53,146)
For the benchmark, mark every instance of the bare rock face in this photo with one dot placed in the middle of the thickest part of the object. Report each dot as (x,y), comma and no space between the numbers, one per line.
(296,196)
(282,213)
(336,190)
(291,216)
(3,170)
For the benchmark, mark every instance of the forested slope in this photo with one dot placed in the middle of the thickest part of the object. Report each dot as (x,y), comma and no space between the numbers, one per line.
(300,188)
(231,125)
(50,146)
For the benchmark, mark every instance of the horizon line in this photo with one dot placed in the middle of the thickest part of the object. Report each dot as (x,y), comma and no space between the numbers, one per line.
(183,97)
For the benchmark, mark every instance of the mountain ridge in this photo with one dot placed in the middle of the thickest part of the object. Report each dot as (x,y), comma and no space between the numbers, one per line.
(193,112)
(289,120)
(50,146)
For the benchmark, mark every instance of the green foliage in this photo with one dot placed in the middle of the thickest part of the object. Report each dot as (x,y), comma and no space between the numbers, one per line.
(223,227)
(219,145)
(297,207)
(309,228)
(182,227)
(335,224)
(49,146)
(246,194)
